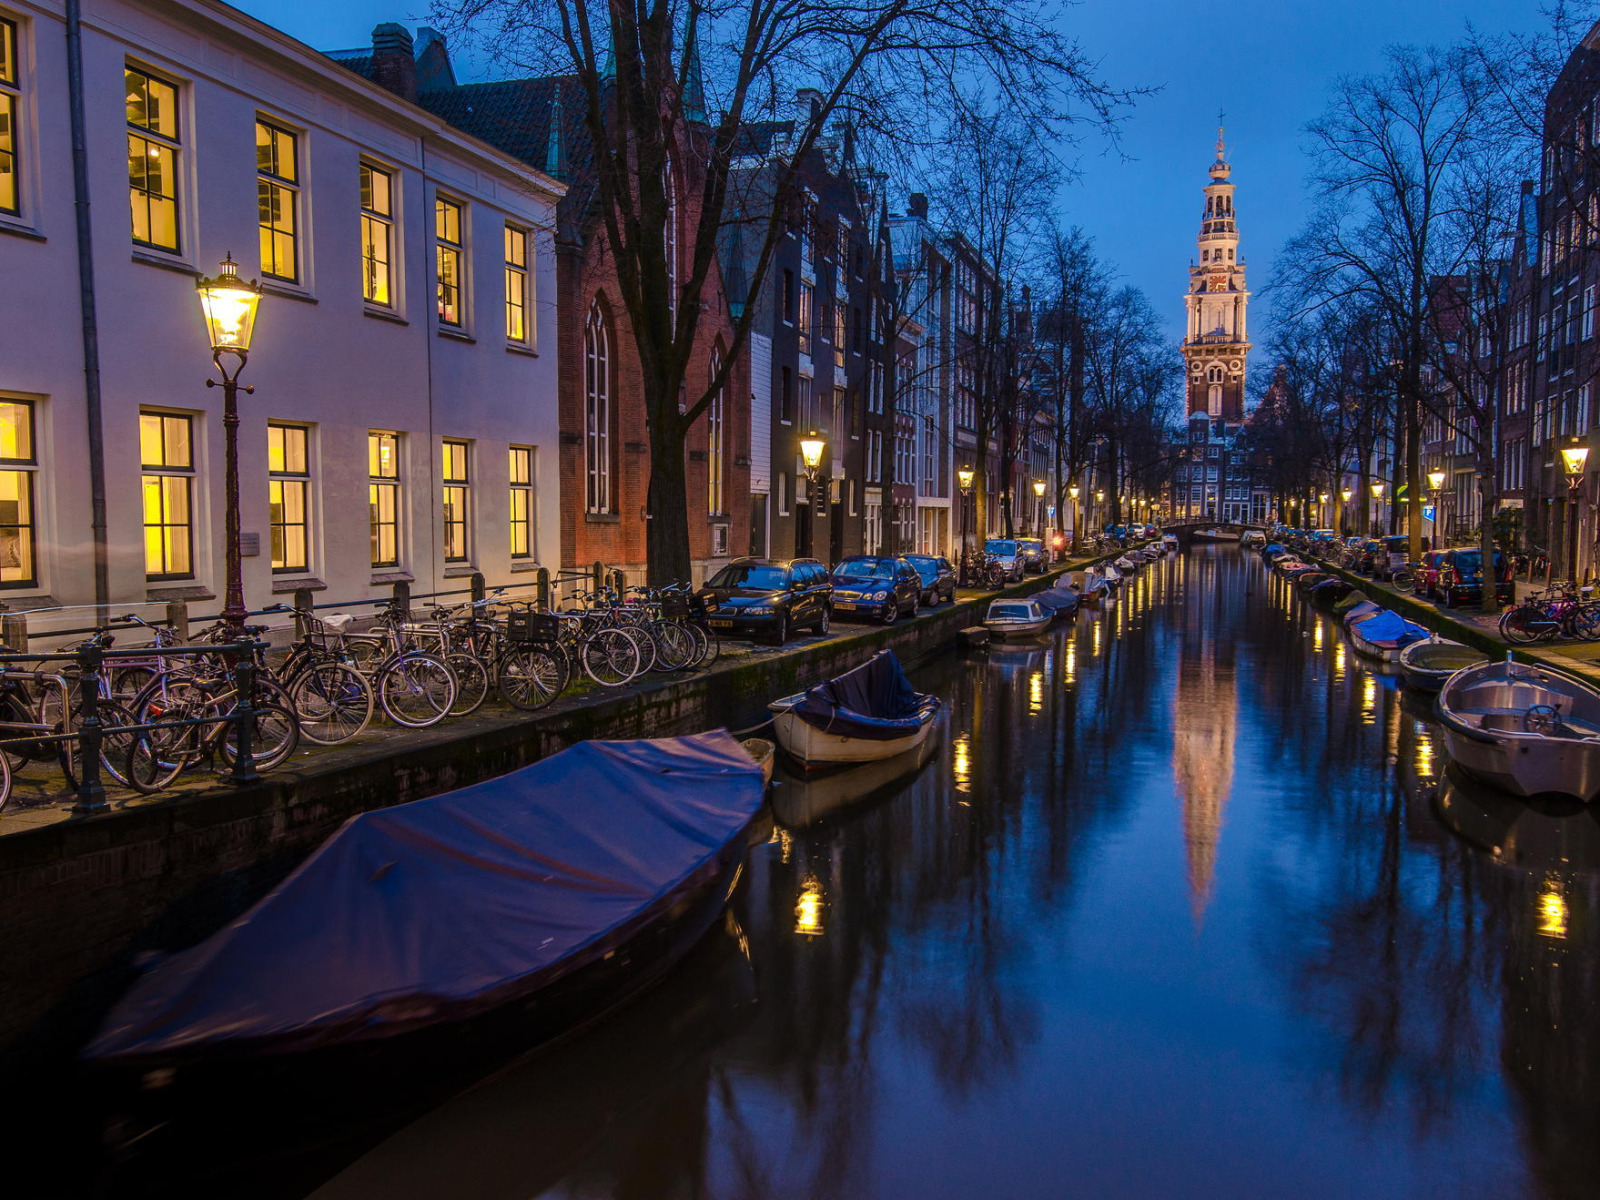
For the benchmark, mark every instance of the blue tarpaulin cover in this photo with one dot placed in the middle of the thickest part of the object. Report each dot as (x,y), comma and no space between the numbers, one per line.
(1364,611)
(446,907)
(1056,599)
(1390,630)
(874,701)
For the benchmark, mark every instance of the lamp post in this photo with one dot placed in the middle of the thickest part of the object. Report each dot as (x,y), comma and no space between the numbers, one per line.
(964,479)
(1073,492)
(1038,505)
(1377,501)
(229,306)
(1344,511)
(1436,486)
(811,451)
(1573,460)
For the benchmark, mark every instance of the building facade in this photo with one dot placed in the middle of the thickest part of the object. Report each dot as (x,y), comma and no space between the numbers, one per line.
(403,422)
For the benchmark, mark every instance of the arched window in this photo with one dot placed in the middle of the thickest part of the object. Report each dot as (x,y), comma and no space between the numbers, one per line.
(1214,400)
(716,449)
(597,412)
(670,235)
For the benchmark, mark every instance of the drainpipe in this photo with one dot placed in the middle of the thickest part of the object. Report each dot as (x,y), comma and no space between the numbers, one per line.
(86,302)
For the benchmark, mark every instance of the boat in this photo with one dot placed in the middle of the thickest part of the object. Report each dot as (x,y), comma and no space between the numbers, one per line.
(1058,600)
(1126,564)
(1426,665)
(868,713)
(1384,635)
(1017,618)
(1170,541)
(1090,587)
(764,753)
(1360,612)
(1110,573)
(1330,591)
(799,803)
(1304,581)
(1215,535)
(1528,729)
(533,903)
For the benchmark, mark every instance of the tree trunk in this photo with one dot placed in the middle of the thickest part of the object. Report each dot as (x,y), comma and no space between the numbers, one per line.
(667,527)
(1487,499)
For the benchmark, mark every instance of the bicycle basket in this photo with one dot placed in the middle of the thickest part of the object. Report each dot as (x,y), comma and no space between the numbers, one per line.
(674,607)
(523,626)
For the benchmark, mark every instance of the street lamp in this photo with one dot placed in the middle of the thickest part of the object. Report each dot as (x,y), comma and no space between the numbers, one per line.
(964,478)
(229,306)
(1436,486)
(1038,505)
(812,447)
(1074,492)
(1573,460)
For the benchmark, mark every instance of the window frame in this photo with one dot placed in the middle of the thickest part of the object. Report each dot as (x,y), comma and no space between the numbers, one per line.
(290,186)
(461,485)
(11,103)
(26,471)
(716,446)
(172,143)
(381,484)
(372,218)
(522,488)
(518,285)
(599,477)
(187,473)
(282,479)
(455,251)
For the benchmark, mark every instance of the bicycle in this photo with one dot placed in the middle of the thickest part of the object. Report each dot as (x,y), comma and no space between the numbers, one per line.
(414,689)
(1560,611)
(332,700)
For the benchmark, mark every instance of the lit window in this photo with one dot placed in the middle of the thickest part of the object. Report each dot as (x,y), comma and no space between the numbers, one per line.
(447,240)
(377,234)
(166,454)
(18,462)
(522,502)
(10,104)
(597,412)
(278,200)
(289,497)
(383,496)
(455,498)
(152,158)
(517,285)
(807,303)
(716,449)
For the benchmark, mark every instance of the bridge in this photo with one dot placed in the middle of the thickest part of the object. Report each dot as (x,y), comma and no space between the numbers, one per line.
(1185,527)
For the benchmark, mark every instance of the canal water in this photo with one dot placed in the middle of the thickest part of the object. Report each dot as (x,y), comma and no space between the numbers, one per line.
(1180,904)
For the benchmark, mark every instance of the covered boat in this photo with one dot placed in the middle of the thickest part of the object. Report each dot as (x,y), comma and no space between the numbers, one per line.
(868,713)
(1017,618)
(1062,601)
(552,893)
(1330,591)
(1385,634)
(1527,729)
(1090,587)
(1169,540)
(1362,611)
(1428,664)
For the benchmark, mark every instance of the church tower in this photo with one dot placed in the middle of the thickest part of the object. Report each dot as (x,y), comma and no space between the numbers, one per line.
(1216,344)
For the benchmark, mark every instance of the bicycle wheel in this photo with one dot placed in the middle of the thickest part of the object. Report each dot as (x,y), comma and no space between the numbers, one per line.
(648,651)
(113,746)
(1404,581)
(333,702)
(5,782)
(529,677)
(1522,625)
(1584,622)
(416,690)
(675,646)
(366,653)
(610,657)
(275,733)
(472,682)
(710,647)
(150,768)
(128,681)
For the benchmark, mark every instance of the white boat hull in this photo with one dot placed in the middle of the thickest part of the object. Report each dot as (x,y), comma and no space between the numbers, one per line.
(1495,726)
(1018,629)
(813,747)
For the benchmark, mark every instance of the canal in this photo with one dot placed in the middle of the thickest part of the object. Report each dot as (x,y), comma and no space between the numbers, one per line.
(1169,910)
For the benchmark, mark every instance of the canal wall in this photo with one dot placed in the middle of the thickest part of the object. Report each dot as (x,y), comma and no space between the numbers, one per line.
(82,898)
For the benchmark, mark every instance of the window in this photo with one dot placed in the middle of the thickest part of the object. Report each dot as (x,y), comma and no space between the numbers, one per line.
(521,502)
(166,454)
(839,317)
(1588,312)
(808,411)
(807,301)
(786,396)
(454,499)
(377,234)
(447,243)
(783,494)
(10,103)
(278,200)
(18,462)
(152,159)
(289,499)
(716,447)
(383,497)
(516,271)
(597,412)
(789,299)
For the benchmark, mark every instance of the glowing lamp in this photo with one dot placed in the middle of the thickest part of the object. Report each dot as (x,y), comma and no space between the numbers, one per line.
(811,451)
(1345,495)
(1099,496)
(1038,488)
(1073,491)
(1573,459)
(1436,480)
(964,478)
(1377,489)
(229,305)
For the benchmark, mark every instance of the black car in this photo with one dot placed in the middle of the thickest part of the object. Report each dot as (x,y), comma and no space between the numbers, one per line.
(761,596)
(1460,578)
(937,575)
(876,586)
(1033,556)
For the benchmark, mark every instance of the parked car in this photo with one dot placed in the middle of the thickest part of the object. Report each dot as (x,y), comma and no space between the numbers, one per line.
(1008,554)
(937,575)
(1033,555)
(1394,554)
(1367,556)
(1427,574)
(876,586)
(1461,578)
(753,596)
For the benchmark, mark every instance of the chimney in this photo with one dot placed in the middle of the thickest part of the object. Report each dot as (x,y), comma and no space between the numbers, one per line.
(394,65)
(434,72)
(809,102)
(919,205)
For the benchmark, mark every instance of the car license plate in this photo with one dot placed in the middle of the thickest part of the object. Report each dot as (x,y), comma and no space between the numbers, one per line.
(844,604)
(715,624)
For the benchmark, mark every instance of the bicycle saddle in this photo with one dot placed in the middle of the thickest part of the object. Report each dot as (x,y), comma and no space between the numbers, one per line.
(337,621)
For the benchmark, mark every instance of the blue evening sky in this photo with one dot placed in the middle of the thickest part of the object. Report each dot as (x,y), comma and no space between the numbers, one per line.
(1267,62)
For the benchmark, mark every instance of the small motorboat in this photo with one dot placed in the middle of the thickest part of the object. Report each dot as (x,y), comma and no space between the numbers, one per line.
(1384,635)
(1357,613)
(1127,564)
(764,754)
(1110,573)
(1330,591)
(1528,729)
(1090,587)
(1427,665)
(539,898)
(1215,535)
(868,713)
(1059,601)
(1170,541)
(1304,581)
(1017,618)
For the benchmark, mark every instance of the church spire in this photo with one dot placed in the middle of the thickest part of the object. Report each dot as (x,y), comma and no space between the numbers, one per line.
(1215,344)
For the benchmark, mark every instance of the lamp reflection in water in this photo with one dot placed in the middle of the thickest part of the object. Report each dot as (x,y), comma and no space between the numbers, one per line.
(961,762)
(1338,660)
(808,909)
(1036,693)
(1424,753)
(1552,911)
(1316,638)
(1369,700)
(1072,662)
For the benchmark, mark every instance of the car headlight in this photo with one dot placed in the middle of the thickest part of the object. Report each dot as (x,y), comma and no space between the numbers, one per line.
(759,610)
(880,595)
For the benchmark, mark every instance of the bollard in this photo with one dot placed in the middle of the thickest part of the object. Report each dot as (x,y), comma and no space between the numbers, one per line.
(244,725)
(91,792)
(302,601)
(480,590)
(597,577)
(178,618)
(541,588)
(402,596)
(14,632)
(619,581)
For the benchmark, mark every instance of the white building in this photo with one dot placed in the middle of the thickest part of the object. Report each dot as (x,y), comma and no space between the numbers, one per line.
(403,424)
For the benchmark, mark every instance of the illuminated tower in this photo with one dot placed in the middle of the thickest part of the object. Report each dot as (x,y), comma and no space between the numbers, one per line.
(1216,343)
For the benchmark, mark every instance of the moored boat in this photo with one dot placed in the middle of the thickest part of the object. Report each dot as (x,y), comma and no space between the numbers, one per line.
(1429,664)
(1528,729)
(1017,618)
(1215,535)
(1089,586)
(1059,601)
(868,713)
(1384,634)
(798,803)
(763,753)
